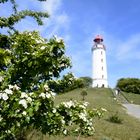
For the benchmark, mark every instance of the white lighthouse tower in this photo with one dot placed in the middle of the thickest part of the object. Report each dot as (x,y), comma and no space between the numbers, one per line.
(99,63)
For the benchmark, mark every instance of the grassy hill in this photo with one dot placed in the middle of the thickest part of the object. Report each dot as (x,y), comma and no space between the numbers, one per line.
(129,129)
(132,98)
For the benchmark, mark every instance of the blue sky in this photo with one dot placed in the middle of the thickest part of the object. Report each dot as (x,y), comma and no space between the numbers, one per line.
(79,21)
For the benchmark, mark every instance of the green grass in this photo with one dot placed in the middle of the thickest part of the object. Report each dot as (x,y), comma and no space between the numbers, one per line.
(132,98)
(129,129)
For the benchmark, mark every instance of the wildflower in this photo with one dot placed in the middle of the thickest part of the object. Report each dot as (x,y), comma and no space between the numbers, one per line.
(23,103)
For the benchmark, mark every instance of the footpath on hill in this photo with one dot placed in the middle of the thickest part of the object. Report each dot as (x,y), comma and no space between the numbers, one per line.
(132,109)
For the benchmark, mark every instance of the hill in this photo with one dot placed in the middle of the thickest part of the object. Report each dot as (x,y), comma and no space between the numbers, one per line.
(104,129)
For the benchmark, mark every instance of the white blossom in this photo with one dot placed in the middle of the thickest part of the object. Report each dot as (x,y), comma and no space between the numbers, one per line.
(86,103)
(4,96)
(23,103)
(1,78)
(48,95)
(24,95)
(54,110)
(65,132)
(62,121)
(1,118)
(8,50)
(24,113)
(8,91)
(31,93)
(38,41)
(8,131)
(29,99)
(69,104)
(16,87)
(43,47)
(58,39)
(42,95)
(83,117)
(46,87)
(10,86)
(27,53)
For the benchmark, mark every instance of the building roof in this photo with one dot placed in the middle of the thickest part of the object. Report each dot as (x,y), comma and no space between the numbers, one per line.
(98,38)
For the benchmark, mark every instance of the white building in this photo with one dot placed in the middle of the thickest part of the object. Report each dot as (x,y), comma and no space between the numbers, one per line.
(99,63)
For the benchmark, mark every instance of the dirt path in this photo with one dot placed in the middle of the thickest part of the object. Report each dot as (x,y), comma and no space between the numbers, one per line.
(133,110)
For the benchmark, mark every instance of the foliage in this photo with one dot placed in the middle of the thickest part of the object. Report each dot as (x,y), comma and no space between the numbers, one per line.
(129,85)
(8,23)
(35,60)
(18,15)
(20,110)
(115,118)
(67,83)
(87,81)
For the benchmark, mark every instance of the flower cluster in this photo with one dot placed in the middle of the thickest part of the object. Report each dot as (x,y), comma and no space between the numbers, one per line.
(77,113)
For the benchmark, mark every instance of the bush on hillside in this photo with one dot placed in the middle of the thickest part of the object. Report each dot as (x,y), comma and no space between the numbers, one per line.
(87,81)
(115,118)
(129,85)
(67,83)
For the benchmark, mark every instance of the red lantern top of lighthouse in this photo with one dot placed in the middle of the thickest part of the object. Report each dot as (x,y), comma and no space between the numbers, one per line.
(98,38)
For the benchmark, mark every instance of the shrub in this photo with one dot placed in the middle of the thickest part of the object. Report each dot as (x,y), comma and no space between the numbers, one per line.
(115,118)
(83,94)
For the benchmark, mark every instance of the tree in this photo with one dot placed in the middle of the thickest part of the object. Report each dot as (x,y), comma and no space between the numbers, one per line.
(9,22)
(67,83)
(87,81)
(129,85)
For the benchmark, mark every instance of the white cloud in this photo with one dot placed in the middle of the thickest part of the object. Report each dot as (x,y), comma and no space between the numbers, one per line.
(58,22)
(129,49)
(51,6)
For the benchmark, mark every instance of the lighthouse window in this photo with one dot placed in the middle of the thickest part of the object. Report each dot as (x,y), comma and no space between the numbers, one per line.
(101,60)
(102,68)
(102,76)
(101,52)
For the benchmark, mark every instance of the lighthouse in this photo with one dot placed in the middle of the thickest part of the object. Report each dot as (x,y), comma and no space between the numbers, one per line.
(99,70)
